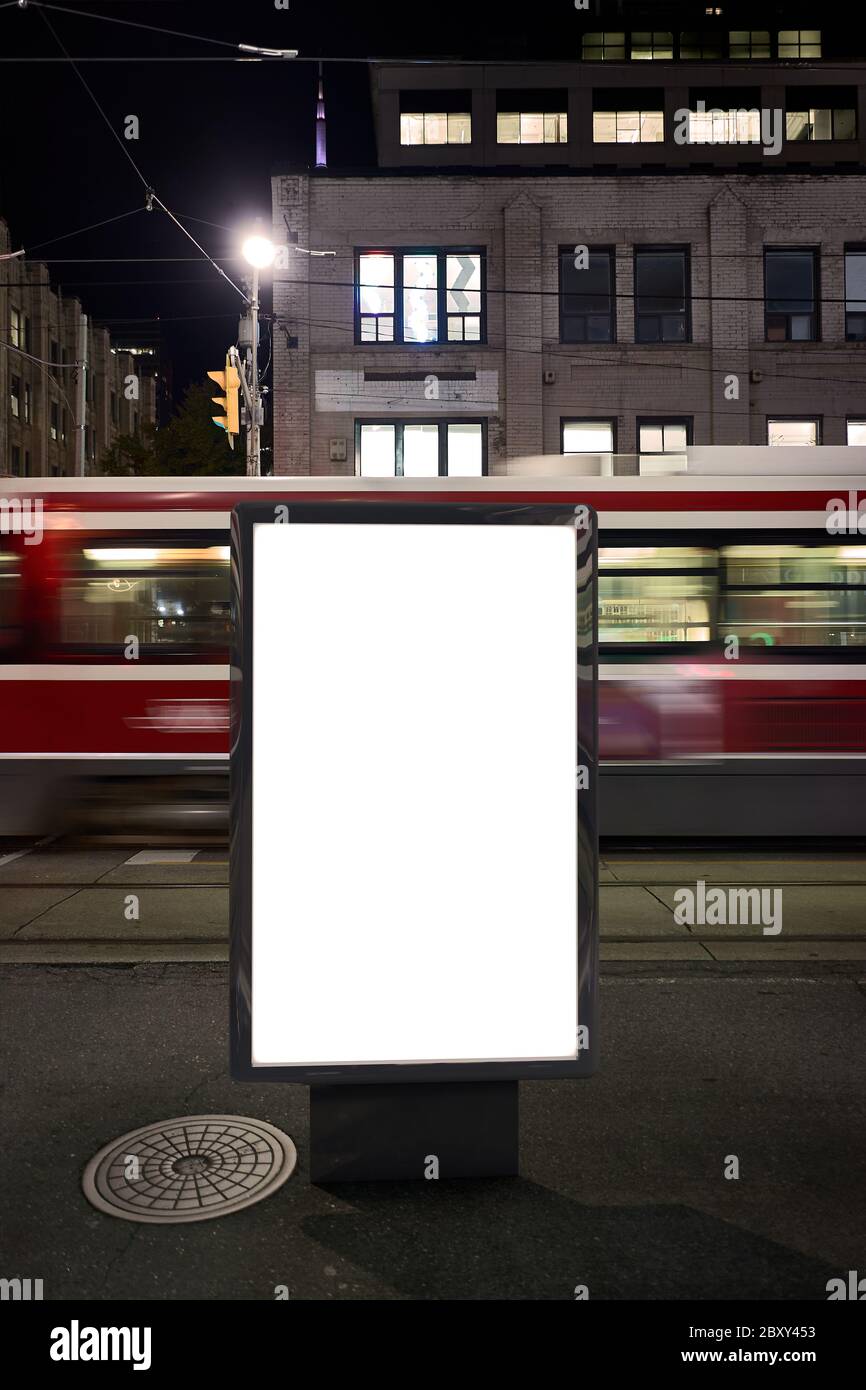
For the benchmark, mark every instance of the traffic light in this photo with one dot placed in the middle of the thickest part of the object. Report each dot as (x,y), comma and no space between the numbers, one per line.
(229,383)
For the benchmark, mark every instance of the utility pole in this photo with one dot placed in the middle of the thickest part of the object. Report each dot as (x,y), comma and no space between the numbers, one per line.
(81,400)
(255,408)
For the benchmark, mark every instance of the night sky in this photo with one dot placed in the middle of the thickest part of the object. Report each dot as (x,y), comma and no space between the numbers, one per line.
(211,133)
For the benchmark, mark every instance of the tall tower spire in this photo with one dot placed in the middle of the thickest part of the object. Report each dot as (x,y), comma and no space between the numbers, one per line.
(321,136)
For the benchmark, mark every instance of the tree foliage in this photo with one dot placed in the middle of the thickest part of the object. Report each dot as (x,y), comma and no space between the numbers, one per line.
(190,444)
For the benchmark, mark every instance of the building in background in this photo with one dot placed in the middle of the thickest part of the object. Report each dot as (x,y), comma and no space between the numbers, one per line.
(58,418)
(659,242)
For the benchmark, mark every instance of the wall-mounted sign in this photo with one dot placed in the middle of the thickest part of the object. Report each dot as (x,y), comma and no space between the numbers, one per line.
(413,787)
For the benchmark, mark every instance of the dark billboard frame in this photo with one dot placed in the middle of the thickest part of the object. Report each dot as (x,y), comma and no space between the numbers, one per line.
(359,510)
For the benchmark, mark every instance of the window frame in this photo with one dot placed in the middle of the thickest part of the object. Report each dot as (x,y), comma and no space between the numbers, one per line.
(815,253)
(16,395)
(400,422)
(816,420)
(603,46)
(853,248)
(833,138)
(640,113)
(654,35)
(751,57)
(662,421)
(854,420)
(442,253)
(650,248)
(799,56)
(611,420)
(606,250)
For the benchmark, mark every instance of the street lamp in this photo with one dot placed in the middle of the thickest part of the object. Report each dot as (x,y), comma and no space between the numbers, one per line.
(258,252)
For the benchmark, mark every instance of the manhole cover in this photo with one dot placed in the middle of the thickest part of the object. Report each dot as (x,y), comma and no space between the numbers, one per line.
(189,1169)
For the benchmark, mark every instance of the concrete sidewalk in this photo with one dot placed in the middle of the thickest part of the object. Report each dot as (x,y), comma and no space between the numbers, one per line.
(623,1185)
(67,904)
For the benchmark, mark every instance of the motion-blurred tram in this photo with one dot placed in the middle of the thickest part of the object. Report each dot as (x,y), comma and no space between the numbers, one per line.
(732,647)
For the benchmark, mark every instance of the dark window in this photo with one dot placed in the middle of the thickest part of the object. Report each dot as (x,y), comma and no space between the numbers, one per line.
(113,408)
(27,463)
(855,294)
(54,352)
(420,448)
(54,421)
(16,461)
(661,287)
(28,403)
(702,44)
(790,289)
(28,338)
(586,297)
(420,295)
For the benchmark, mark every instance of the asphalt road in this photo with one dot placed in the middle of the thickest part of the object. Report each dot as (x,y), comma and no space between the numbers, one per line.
(622,1185)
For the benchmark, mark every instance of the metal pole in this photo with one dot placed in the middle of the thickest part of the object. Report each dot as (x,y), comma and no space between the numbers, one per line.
(253,459)
(81,402)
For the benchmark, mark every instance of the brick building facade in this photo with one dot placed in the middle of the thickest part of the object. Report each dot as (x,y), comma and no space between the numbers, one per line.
(726,285)
(43,335)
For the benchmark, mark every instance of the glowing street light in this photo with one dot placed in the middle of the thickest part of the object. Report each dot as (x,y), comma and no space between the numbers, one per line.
(259,251)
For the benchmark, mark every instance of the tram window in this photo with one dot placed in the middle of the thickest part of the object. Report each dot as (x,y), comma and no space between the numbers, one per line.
(654,594)
(168,596)
(794,595)
(10,600)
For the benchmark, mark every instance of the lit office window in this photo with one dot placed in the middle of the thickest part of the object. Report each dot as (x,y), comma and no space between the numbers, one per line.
(749,43)
(54,421)
(15,333)
(662,295)
(799,43)
(531,127)
(435,118)
(794,432)
(409,449)
(587,436)
(605,47)
(628,127)
(586,298)
(658,44)
(420,317)
(376,298)
(419,296)
(28,403)
(724,127)
(15,397)
(856,432)
(791,308)
(822,123)
(855,294)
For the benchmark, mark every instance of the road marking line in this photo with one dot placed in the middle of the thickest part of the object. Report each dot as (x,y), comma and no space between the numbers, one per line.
(162,856)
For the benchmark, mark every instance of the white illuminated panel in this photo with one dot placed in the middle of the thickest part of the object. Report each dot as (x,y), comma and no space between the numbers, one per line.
(414,889)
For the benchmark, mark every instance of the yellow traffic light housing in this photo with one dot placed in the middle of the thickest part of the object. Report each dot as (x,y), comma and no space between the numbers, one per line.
(229,383)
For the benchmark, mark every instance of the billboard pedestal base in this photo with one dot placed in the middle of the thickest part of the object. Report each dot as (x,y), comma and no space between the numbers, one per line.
(461,1129)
